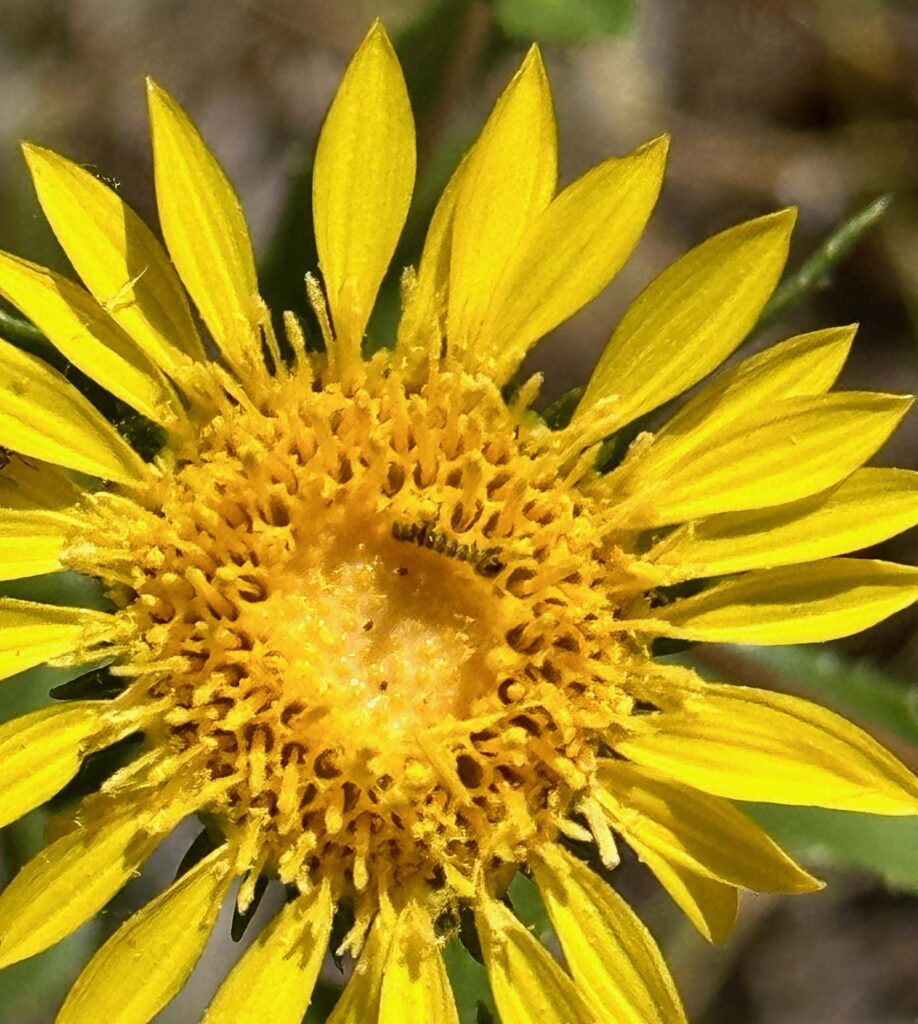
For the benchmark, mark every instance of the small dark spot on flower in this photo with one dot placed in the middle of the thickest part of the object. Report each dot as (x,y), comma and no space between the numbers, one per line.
(469,771)
(325,766)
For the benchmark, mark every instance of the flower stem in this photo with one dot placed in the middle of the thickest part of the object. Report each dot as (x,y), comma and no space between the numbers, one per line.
(794,288)
(22,334)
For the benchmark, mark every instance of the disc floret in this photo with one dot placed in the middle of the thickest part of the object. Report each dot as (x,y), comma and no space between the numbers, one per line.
(383,616)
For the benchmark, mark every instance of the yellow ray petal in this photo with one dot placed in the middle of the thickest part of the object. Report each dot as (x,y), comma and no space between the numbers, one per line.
(807,364)
(415,986)
(80,329)
(687,321)
(424,307)
(33,633)
(748,744)
(275,978)
(44,416)
(868,507)
(508,179)
(118,258)
(569,253)
(528,984)
(41,752)
(779,453)
(796,604)
(706,834)
(710,905)
(362,184)
(32,484)
(360,1000)
(610,953)
(32,541)
(147,961)
(69,882)
(205,231)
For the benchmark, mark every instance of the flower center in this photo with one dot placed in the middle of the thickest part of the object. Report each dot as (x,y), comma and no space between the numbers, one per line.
(380,621)
(373,644)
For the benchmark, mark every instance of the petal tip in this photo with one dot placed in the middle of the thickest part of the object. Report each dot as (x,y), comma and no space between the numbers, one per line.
(842,335)
(783,219)
(34,154)
(779,223)
(533,65)
(377,33)
(378,41)
(655,151)
(158,98)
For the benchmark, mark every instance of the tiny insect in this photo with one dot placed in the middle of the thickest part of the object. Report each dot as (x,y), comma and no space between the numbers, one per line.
(486,563)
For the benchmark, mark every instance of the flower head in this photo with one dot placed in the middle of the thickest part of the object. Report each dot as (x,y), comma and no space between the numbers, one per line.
(384,628)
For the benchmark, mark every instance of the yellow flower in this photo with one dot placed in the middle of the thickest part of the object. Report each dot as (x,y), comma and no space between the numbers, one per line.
(382,627)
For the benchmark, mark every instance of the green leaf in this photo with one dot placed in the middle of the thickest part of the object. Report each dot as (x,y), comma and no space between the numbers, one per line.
(30,690)
(564,21)
(853,688)
(64,588)
(559,413)
(469,981)
(885,847)
(529,906)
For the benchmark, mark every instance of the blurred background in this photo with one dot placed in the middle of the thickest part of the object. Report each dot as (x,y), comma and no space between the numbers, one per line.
(770,103)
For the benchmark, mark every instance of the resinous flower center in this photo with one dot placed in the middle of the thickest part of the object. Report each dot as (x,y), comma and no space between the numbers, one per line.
(380,619)
(399,637)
